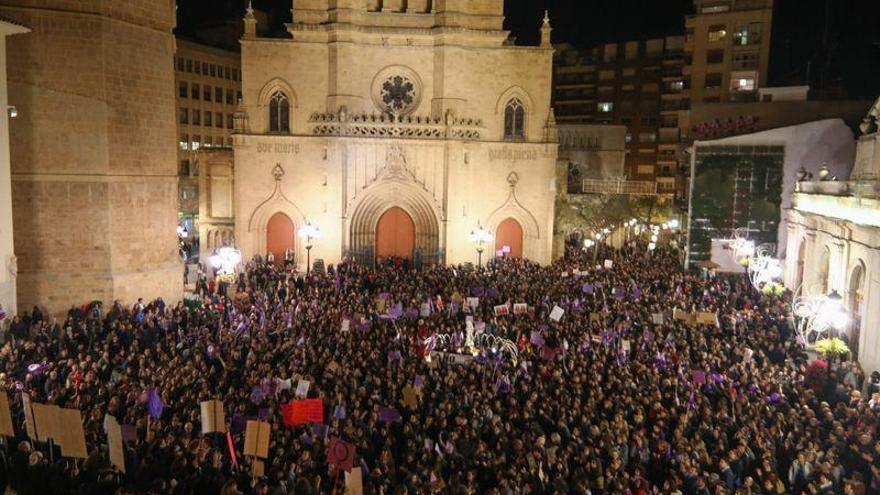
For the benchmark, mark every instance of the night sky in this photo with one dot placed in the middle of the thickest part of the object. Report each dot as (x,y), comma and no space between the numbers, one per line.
(838,40)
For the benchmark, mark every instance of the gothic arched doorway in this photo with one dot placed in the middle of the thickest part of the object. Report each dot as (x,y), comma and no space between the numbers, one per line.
(857,306)
(509,238)
(395,234)
(279,235)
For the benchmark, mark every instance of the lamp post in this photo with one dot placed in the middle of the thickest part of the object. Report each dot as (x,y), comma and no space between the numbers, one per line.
(309,232)
(816,315)
(480,237)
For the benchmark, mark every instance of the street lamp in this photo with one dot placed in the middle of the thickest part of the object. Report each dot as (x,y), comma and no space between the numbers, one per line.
(817,314)
(309,232)
(480,237)
(224,261)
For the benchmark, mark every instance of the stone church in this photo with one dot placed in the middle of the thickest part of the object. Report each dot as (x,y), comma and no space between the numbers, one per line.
(396,127)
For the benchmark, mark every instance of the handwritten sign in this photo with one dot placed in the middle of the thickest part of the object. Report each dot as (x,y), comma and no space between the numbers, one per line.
(520,308)
(556,313)
(340,454)
(6,427)
(302,388)
(354,483)
(213,417)
(256,439)
(114,442)
(28,416)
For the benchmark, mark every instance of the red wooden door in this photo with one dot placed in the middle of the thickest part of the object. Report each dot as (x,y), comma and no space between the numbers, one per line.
(509,235)
(279,235)
(395,234)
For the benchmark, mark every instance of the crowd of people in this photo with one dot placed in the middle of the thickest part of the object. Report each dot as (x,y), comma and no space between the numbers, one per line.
(612,396)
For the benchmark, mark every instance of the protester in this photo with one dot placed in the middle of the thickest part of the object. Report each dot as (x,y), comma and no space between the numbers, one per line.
(616,397)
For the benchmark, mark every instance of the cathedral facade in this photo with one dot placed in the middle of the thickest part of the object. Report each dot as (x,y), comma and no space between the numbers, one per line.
(396,128)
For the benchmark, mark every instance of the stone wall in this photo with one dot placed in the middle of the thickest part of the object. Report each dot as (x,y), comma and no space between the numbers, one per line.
(93,155)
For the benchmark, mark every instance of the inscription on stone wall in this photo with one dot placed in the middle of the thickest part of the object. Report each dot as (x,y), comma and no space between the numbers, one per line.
(512,155)
(288,148)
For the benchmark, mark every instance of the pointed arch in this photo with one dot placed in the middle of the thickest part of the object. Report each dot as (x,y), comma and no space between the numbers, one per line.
(511,93)
(273,86)
(389,193)
(513,209)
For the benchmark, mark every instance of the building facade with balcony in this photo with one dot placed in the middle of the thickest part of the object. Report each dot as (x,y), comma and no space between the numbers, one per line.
(834,241)
(625,84)
(425,124)
(208,86)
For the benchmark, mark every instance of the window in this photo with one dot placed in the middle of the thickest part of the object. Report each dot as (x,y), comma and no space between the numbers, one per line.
(747,34)
(226,74)
(213,70)
(229,142)
(194,91)
(742,84)
(230,122)
(279,113)
(189,65)
(629,72)
(717,32)
(713,81)
(184,116)
(714,9)
(650,88)
(184,142)
(209,143)
(238,96)
(184,167)
(610,53)
(514,120)
(229,97)
(205,68)
(714,56)
(218,95)
(676,85)
(218,120)
(649,121)
(197,143)
(605,106)
(208,119)
(605,75)
(712,99)
(207,93)
(181,64)
(235,74)
(183,89)
(198,68)
(648,137)
(745,61)
(197,117)
(628,138)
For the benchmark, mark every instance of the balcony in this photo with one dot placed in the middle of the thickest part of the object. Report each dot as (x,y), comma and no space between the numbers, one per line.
(619,186)
(850,201)
(865,188)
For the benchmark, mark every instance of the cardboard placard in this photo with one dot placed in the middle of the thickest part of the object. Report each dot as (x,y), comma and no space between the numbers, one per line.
(680,314)
(256,438)
(473,302)
(502,310)
(625,345)
(213,417)
(72,436)
(608,264)
(28,416)
(556,313)
(258,469)
(346,324)
(594,316)
(114,442)
(520,308)
(46,421)
(354,483)
(707,318)
(657,318)
(410,397)
(6,427)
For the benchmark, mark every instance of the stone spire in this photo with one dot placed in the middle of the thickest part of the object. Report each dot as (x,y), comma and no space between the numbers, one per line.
(545,30)
(250,22)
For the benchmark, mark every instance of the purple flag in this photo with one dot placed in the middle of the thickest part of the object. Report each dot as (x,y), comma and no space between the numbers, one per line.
(502,385)
(419,381)
(389,415)
(618,292)
(339,412)
(37,369)
(637,292)
(412,313)
(154,404)
(492,292)
(239,423)
(393,312)
(536,338)
(320,430)
(698,377)
(587,289)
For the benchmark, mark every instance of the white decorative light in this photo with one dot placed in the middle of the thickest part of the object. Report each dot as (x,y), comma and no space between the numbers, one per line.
(653,237)
(225,259)
(817,314)
(652,246)
(674,223)
(309,232)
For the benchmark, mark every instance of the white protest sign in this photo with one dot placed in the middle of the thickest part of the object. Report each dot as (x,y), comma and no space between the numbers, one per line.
(609,263)
(473,302)
(346,324)
(625,345)
(302,388)
(657,318)
(557,313)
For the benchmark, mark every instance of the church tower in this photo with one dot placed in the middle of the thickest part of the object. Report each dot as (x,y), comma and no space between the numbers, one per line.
(94,180)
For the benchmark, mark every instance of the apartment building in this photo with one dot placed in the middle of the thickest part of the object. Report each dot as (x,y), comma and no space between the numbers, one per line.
(208,84)
(627,84)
